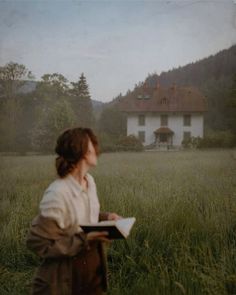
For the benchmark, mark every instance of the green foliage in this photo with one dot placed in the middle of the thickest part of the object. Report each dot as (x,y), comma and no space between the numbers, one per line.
(216,92)
(50,89)
(54,112)
(10,115)
(123,143)
(55,80)
(82,103)
(183,241)
(107,143)
(219,139)
(217,67)
(231,107)
(81,88)
(51,123)
(212,139)
(12,77)
(129,143)
(113,122)
(33,121)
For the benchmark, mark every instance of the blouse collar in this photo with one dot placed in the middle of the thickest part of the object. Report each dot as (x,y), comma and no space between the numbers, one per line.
(77,184)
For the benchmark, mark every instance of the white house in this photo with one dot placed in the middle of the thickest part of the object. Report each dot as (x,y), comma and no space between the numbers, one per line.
(164,116)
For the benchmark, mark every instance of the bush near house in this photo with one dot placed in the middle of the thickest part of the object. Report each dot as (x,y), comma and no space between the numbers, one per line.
(213,139)
(224,139)
(110,143)
(192,142)
(129,143)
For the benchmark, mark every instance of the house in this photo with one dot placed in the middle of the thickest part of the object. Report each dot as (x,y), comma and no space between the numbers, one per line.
(164,116)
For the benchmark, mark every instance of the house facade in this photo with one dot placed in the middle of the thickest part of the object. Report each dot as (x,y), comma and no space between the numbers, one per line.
(165,116)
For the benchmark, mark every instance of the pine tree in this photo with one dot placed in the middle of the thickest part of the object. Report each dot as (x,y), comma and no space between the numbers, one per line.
(82,103)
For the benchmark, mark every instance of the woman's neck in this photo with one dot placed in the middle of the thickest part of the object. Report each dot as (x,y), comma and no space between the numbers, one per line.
(79,172)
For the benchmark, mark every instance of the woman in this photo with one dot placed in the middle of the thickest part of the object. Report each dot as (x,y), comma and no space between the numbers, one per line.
(73,262)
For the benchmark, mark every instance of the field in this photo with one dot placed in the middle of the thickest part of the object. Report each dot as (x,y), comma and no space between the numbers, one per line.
(184,239)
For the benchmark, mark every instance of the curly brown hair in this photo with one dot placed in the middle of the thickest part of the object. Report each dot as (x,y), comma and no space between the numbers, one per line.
(71,147)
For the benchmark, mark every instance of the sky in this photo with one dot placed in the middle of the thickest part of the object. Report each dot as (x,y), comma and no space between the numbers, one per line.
(115,43)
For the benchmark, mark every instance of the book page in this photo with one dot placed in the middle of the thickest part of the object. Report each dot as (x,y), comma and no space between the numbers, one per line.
(107,222)
(101,223)
(125,225)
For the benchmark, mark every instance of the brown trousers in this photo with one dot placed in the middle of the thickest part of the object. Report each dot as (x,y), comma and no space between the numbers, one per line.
(87,273)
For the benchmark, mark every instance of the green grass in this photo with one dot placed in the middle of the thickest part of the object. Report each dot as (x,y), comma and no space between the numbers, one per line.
(184,239)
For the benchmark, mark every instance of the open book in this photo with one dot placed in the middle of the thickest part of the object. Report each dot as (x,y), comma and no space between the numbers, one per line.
(117,229)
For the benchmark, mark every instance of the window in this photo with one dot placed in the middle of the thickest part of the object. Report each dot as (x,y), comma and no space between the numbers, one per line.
(187,120)
(141,136)
(141,120)
(187,135)
(164,120)
(164,100)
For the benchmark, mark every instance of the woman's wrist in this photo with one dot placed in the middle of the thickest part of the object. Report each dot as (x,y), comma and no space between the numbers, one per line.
(109,216)
(103,216)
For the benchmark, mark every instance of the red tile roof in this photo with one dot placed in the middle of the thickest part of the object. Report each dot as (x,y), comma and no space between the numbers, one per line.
(173,99)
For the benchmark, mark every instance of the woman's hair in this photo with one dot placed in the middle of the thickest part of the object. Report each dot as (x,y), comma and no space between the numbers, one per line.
(71,147)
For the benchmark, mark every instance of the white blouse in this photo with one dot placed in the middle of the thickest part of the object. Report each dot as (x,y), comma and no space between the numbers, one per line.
(68,204)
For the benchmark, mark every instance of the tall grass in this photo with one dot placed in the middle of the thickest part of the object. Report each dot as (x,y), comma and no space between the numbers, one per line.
(184,239)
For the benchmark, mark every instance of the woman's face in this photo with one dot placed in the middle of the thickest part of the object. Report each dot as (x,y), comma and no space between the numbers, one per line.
(91,156)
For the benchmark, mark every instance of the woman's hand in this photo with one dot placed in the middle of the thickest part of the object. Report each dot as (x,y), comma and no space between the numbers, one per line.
(101,236)
(113,216)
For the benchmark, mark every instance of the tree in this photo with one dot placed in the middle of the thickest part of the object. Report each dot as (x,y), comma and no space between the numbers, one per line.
(12,78)
(82,103)
(113,122)
(54,111)
(59,117)
(52,88)
(9,118)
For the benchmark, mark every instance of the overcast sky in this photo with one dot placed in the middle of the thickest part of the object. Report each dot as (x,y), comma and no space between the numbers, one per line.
(115,43)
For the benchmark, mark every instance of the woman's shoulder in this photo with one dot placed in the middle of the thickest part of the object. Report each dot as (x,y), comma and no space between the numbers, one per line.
(53,203)
(56,190)
(58,185)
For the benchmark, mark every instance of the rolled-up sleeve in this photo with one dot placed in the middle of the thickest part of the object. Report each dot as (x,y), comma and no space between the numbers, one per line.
(47,239)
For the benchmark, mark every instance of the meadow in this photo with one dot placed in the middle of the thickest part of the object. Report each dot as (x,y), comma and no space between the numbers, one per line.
(184,238)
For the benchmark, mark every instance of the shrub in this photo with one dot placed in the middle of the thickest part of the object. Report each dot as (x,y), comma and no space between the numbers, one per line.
(106,142)
(213,139)
(129,143)
(110,143)
(192,142)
